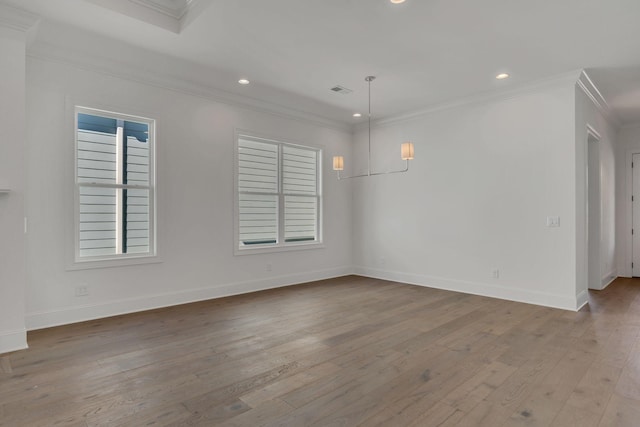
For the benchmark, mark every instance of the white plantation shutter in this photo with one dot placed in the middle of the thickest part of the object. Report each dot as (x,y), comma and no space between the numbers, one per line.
(97,163)
(97,221)
(300,186)
(114,185)
(299,171)
(137,161)
(137,223)
(97,158)
(300,218)
(258,192)
(278,193)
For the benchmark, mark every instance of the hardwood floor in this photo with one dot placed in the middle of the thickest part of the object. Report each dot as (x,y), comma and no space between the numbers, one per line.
(344,352)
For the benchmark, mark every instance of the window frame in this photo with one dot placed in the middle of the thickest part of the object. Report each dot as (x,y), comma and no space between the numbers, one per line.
(281,245)
(99,261)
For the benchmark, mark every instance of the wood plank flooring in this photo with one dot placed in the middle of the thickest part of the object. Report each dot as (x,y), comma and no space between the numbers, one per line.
(351,351)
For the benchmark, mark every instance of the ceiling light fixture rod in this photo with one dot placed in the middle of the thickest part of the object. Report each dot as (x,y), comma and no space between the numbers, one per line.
(406,150)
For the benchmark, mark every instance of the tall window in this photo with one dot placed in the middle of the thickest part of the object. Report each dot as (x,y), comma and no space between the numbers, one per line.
(279,196)
(114,185)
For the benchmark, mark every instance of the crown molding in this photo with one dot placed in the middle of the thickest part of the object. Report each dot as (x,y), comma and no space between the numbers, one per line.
(172,8)
(568,78)
(17,19)
(171,15)
(589,88)
(120,69)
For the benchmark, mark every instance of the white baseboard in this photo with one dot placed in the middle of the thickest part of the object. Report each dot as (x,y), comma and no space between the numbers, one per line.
(582,299)
(608,279)
(65,316)
(475,288)
(13,341)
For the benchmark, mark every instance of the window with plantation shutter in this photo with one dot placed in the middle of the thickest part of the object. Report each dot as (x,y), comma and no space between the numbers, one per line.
(258,192)
(114,185)
(278,194)
(300,189)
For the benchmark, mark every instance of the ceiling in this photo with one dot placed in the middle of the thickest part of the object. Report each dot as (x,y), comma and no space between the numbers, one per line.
(424,52)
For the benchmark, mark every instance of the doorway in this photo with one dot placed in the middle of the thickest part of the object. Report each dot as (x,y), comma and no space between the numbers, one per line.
(635,215)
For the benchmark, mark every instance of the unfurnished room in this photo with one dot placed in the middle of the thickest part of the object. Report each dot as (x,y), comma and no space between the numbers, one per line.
(319,213)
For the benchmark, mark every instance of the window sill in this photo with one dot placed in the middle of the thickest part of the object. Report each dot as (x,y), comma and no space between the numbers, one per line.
(113,262)
(283,248)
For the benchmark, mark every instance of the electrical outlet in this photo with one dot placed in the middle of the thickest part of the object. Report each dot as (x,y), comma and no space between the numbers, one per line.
(553,221)
(82,291)
(495,273)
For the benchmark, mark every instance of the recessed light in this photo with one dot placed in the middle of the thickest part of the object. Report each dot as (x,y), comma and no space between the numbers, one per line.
(502,76)
(244,81)
(397,1)
(357,115)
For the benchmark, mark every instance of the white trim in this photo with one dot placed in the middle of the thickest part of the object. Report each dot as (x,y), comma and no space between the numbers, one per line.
(591,134)
(13,341)
(481,98)
(63,55)
(73,260)
(162,7)
(115,261)
(627,271)
(266,249)
(64,316)
(17,19)
(474,288)
(582,299)
(281,245)
(589,88)
(608,279)
(170,15)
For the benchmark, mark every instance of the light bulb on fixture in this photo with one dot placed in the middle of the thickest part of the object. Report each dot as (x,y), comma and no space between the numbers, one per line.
(397,1)
(406,149)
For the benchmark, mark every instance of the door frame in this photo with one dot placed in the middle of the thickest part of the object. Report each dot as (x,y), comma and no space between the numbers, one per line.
(626,270)
(593,137)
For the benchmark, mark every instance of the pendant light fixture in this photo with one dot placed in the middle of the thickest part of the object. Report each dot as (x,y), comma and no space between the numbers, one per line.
(406,150)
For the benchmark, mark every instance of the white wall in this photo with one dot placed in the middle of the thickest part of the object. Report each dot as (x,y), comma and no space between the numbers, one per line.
(627,143)
(195,143)
(487,174)
(485,177)
(12,119)
(588,116)
(12,165)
